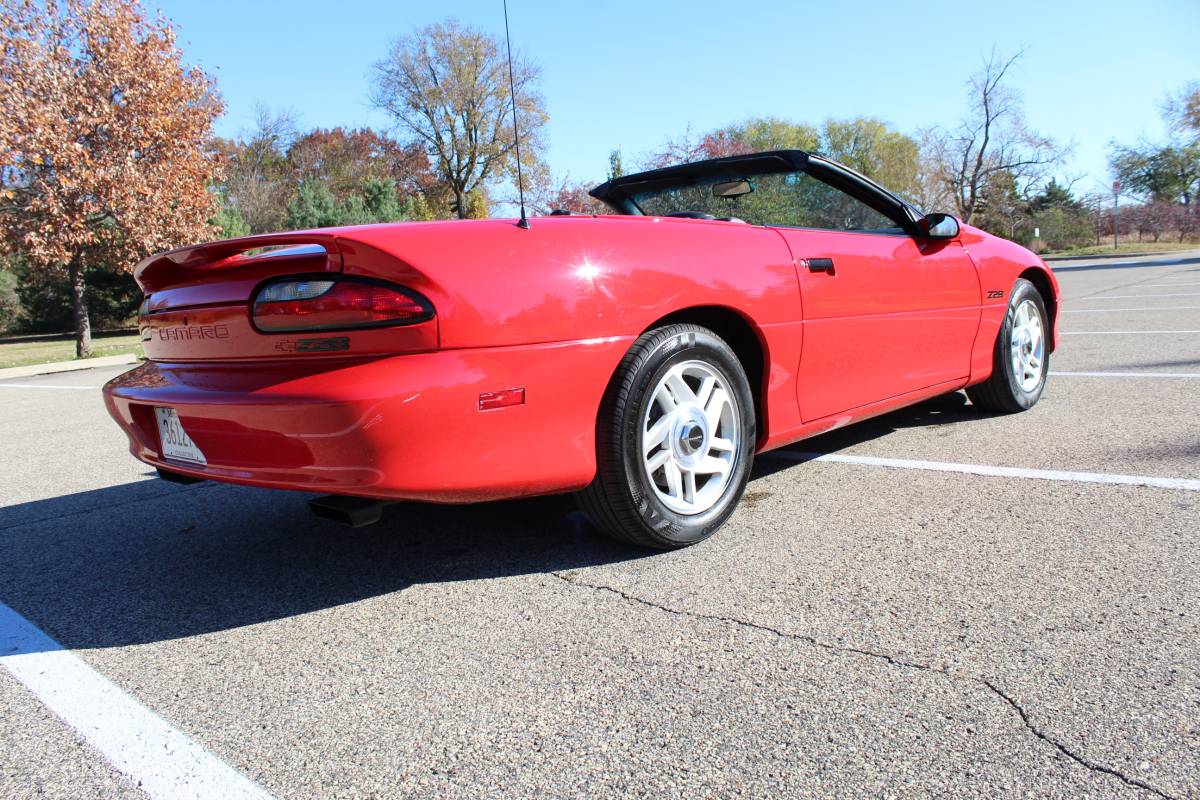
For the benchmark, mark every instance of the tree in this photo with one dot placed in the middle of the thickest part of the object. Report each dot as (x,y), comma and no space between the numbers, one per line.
(999,206)
(615,168)
(752,135)
(379,200)
(870,146)
(229,221)
(1159,172)
(347,159)
(1166,176)
(1054,195)
(10,302)
(104,136)
(313,207)
(1182,112)
(256,170)
(933,192)
(1096,207)
(992,138)
(316,206)
(416,208)
(567,195)
(447,87)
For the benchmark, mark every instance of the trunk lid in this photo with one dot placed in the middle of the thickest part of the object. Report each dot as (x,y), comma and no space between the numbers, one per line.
(198,302)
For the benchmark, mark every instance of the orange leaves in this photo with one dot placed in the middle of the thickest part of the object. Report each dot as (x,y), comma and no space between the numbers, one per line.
(103,134)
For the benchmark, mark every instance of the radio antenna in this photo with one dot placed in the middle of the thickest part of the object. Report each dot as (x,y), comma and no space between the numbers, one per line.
(512,88)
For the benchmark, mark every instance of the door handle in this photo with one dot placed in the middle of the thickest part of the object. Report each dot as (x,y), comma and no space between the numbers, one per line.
(819,265)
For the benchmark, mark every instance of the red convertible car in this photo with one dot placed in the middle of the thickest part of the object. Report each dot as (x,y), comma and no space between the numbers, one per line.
(639,358)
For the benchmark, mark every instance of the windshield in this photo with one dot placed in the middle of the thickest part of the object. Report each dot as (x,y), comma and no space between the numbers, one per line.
(785,199)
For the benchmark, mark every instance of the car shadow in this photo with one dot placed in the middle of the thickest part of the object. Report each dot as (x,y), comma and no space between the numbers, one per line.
(945,409)
(152,561)
(147,566)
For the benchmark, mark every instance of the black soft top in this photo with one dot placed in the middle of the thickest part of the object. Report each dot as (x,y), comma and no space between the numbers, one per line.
(732,167)
(619,191)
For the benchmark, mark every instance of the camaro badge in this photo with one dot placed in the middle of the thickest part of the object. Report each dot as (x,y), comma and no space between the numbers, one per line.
(186,333)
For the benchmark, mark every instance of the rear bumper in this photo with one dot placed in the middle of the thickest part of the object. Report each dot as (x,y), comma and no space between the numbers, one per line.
(403,427)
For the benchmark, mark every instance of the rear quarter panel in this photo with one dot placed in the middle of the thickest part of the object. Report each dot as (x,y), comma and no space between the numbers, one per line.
(576,278)
(569,278)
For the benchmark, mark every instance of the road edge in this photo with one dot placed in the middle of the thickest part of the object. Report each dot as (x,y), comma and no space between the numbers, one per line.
(52,367)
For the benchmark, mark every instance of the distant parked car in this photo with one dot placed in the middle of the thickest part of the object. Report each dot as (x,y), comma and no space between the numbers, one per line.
(640,359)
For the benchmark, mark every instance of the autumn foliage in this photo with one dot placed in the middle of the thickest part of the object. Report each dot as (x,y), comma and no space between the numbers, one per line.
(105,138)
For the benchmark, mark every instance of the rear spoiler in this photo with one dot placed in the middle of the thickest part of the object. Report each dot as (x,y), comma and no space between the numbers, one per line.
(177,266)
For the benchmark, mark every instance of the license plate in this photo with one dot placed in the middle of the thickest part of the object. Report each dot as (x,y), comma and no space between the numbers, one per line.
(176,444)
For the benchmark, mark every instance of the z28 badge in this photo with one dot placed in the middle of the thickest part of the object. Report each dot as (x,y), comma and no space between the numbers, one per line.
(326,345)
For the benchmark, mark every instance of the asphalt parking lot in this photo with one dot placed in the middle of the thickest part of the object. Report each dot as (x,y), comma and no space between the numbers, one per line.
(947,603)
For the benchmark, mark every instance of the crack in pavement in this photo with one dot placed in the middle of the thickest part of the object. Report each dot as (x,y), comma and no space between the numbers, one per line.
(1092,765)
(570,578)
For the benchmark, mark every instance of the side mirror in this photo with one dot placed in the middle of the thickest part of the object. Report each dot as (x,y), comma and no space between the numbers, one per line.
(939,226)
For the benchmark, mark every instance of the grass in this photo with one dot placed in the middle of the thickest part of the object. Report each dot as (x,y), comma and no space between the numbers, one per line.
(43,352)
(1125,248)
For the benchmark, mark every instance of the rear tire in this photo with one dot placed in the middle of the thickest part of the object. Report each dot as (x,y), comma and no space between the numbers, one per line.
(674,440)
(1021,358)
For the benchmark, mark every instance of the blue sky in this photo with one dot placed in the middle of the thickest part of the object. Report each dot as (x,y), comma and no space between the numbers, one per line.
(633,74)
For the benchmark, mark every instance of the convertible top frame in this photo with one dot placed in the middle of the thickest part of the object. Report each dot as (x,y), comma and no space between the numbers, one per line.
(618,192)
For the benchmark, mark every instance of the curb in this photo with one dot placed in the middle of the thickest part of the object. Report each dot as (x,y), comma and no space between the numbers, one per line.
(67,366)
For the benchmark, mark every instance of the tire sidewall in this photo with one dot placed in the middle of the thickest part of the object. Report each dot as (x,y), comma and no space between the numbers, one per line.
(661,522)
(1023,290)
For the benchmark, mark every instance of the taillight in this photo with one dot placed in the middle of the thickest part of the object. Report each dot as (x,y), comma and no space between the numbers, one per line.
(323,304)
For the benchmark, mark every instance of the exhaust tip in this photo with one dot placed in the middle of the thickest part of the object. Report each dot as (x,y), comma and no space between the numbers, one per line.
(354,512)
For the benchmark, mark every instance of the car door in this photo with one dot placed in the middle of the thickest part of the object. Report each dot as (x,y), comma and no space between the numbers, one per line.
(886,312)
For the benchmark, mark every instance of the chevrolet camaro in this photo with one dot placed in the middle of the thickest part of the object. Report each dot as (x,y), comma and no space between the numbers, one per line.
(639,358)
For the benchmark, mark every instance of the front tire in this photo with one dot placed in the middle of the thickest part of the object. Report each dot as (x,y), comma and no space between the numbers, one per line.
(674,440)
(1021,359)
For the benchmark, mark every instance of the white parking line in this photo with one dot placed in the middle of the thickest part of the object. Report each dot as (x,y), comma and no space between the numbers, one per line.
(1116,333)
(44,386)
(159,758)
(998,472)
(1107,310)
(1128,374)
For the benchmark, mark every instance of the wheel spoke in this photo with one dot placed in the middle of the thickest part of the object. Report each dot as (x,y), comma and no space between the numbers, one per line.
(711,465)
(689,487)
(707,384)
(720,445)
(674,481)
(664,399)
(657,433)
(680,391)
(654,462)
(712,411)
